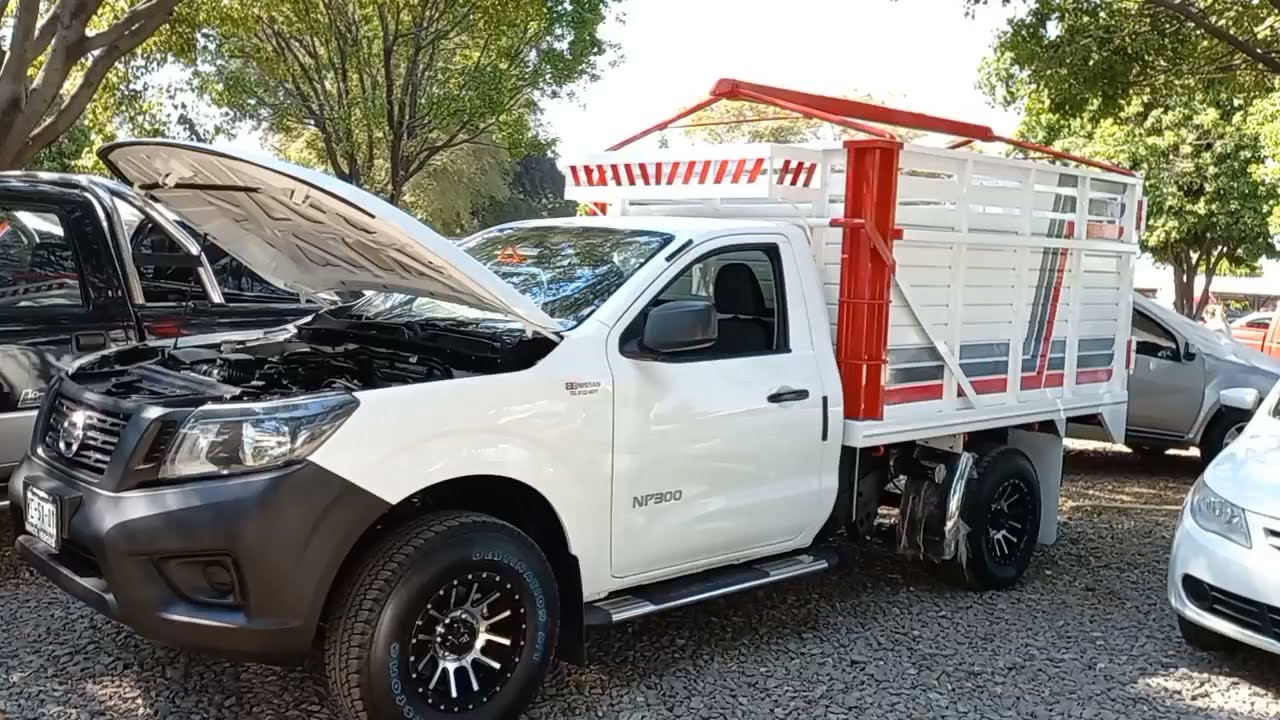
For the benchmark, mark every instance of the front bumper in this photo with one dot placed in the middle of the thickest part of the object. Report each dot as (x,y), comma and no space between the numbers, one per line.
(1236,589)
(145,557)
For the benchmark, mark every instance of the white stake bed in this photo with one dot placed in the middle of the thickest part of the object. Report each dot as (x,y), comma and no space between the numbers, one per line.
(1012,294)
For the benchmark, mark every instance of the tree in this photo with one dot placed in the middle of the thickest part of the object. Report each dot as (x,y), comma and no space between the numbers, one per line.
(1175,89)
(1091,56)
(54,60)
(535,190)
(469,187)
(744,122)
(1210,198)
(386,86)
(747,122)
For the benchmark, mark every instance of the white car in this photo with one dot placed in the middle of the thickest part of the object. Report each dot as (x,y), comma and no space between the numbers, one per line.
(1222,573)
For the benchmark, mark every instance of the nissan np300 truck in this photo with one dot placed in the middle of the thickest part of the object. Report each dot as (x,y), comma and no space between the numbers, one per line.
(574,422)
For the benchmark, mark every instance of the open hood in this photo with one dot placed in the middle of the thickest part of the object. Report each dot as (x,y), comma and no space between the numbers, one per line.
(311,232)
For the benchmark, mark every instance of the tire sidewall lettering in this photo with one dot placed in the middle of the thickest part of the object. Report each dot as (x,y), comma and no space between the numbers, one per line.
(398,691)
(397,687)
(535,587)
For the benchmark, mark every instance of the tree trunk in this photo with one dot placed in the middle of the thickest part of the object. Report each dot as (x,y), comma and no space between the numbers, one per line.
(36,100)
(1184,284)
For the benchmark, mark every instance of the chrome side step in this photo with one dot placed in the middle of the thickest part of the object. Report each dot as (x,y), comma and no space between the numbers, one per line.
(678,592)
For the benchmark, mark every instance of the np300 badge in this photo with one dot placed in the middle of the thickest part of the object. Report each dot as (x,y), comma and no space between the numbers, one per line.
(71,434)
(669,496)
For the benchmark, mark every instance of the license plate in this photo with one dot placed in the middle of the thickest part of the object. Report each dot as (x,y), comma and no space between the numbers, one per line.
(43,519)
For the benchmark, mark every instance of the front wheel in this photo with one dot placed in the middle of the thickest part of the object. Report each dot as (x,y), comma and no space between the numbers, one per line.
(453,615)
(1001,507)
(1225,427)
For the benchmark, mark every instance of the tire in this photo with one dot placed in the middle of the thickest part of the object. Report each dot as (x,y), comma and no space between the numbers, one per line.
(379,663)
(1215,436)
(996,553)
(1202,638)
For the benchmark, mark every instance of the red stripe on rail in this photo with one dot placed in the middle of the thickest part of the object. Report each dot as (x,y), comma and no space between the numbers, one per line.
(808,175)
(721,169)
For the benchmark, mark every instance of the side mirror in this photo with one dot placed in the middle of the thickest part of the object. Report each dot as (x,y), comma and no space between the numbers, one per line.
(1242,398)
(679,326)
(1188,351)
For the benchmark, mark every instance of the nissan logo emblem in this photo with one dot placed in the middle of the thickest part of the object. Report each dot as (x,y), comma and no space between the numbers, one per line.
(71,434)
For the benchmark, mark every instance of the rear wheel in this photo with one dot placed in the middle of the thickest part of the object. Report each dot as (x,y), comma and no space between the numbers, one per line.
(1202,638)
(453,615)
(1001,508)
(1225,427)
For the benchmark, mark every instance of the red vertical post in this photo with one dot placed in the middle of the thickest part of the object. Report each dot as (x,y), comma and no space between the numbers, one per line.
(862,324)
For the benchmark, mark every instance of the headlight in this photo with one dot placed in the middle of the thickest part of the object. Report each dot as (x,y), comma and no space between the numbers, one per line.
(244,437)
(1213,513)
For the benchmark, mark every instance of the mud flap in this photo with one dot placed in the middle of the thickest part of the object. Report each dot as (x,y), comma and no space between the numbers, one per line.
(929,523)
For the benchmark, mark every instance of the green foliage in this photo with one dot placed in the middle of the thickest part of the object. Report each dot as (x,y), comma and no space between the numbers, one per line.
(1180,90)
(1086,56)
(746,122)
(145,94)
(86,68)
(380,89)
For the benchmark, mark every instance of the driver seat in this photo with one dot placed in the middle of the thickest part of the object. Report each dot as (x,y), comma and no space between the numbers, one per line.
(739,302)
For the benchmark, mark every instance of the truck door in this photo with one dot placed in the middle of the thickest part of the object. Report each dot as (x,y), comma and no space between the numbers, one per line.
(717,451)
(1167,385)
(57,301)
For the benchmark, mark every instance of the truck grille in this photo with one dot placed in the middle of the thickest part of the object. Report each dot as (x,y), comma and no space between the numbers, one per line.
(102,431)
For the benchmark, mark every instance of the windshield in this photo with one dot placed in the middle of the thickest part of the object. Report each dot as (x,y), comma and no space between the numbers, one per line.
(568,271)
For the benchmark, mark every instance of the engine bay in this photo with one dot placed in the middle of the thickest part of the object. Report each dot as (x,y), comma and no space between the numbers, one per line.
(290,368)
(324,356)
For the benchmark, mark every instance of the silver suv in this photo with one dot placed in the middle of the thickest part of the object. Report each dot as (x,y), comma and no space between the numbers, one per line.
(1176,391)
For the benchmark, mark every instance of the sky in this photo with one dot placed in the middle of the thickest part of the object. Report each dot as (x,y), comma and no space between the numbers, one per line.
(920,55)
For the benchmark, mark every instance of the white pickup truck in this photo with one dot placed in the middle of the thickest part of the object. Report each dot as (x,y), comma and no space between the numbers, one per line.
(574,422)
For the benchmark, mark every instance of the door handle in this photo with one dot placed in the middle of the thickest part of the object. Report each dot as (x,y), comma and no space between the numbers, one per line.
(87,342)
(786,394)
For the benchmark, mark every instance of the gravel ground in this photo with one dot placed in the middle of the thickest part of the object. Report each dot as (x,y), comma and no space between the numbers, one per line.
(1087,635)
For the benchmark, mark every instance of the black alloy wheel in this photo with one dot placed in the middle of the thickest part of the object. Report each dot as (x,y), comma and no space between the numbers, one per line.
(467,641)
(451,615)
(1001,511)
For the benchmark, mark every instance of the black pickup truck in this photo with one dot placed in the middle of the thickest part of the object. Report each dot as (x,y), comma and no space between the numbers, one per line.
(86,264)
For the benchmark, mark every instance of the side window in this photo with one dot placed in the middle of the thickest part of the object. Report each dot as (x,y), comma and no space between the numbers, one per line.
(1260,324)
(239,284)
(1152,340)
(744,285)
(37,259)
(168,274)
